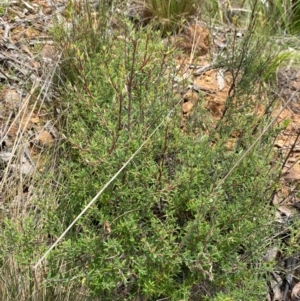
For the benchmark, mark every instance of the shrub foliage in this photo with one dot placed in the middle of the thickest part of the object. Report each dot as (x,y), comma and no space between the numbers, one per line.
(168,226)
(182,221)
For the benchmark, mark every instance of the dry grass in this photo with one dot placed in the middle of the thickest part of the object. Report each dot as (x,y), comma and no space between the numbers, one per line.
(169,15)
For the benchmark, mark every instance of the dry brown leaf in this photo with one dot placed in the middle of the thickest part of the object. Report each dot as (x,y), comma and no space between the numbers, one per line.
(296,292)
(276,287)
(292,174)
(287,211)
(45,138)
(275,200)
(231,144)
(107,227)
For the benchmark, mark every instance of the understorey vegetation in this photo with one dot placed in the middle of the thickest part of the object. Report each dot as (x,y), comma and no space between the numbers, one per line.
(190,217)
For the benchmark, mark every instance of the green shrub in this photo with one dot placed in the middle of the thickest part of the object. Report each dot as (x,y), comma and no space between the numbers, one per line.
(180,222)
(168,226)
